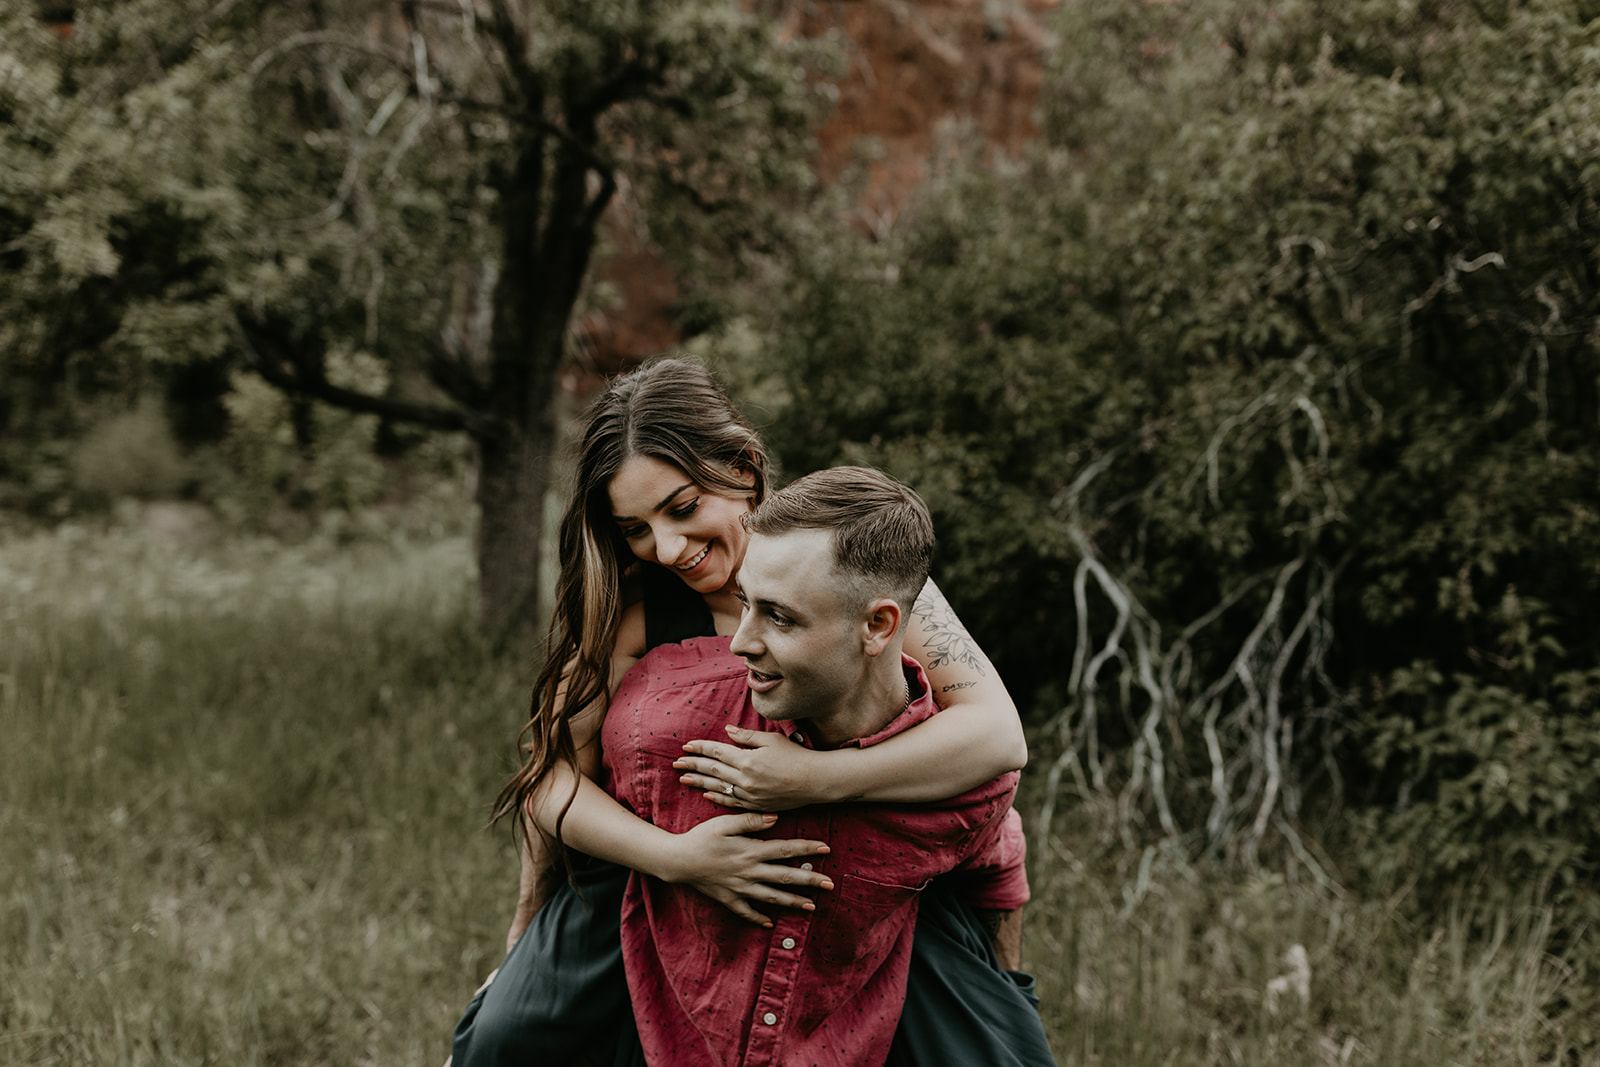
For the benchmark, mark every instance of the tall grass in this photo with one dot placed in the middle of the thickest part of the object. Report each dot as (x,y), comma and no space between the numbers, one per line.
(242,796)
(242,800)
(1260,971)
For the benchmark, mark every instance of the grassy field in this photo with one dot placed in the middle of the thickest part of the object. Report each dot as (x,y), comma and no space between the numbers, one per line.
(242,801)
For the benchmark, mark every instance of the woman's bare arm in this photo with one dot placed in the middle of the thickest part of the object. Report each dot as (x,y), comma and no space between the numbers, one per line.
(717,857)
(536,881)
(976,736)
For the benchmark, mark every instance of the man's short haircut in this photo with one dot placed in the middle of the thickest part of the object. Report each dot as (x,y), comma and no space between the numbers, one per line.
(882,533)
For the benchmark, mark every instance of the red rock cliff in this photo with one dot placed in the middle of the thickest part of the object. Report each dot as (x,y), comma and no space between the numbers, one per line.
(913,66)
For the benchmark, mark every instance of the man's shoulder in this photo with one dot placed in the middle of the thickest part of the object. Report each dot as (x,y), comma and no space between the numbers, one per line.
(697,678)
(689,662)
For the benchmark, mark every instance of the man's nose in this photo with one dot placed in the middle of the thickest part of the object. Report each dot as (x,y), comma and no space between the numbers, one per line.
(744,639)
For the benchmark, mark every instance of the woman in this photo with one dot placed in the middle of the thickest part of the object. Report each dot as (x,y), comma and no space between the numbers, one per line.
(650,546)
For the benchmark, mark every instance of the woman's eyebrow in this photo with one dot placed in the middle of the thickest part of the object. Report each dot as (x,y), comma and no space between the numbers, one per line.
(670,497)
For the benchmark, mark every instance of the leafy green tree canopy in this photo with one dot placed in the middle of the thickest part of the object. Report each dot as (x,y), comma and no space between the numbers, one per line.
(292,187)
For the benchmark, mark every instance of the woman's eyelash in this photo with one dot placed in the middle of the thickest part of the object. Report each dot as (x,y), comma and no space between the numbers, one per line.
(682,512)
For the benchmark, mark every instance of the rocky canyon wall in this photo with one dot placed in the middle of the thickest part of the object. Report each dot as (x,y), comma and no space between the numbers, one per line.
(914,68)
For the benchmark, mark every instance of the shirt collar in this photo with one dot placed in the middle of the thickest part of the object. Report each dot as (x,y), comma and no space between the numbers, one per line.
(921,707)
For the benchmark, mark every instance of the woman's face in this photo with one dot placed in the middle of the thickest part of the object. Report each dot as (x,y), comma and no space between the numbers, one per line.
(670,519)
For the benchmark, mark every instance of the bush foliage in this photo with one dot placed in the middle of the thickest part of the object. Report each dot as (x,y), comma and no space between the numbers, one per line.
(1258,409)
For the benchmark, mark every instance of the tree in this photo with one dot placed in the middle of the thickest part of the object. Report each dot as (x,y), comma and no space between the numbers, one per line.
(419,182)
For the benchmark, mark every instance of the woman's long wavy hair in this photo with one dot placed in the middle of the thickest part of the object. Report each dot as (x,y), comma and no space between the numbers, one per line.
(668,410)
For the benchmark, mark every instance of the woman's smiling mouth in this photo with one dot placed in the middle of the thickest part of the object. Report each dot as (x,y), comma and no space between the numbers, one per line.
(693,563)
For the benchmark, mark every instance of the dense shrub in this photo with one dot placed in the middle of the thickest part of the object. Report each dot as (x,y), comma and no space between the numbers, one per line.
(130,454)
(1258,411)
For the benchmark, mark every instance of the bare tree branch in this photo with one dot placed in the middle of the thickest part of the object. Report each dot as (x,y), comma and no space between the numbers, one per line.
(1122,660)
(324,38)
(305,381)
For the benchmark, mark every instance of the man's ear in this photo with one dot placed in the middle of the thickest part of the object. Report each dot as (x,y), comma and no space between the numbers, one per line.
(881,625)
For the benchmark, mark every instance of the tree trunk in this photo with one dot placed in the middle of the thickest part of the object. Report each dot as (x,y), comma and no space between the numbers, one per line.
(533,300)
(513,477)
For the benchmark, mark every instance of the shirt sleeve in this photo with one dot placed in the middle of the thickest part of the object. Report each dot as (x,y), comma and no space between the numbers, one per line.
(994,876)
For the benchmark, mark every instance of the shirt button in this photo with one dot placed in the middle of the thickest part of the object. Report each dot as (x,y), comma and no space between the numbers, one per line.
(788,942)
(805,866)
(769,1018)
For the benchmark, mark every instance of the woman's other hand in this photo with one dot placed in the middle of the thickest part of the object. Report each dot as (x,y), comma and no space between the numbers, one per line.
(738,871)
(766,770)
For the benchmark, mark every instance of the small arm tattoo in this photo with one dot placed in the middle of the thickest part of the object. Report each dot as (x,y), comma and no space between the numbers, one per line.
(957,685)
(945,640)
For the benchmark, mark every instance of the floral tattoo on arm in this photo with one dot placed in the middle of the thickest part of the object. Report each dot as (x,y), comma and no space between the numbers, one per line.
(945,640)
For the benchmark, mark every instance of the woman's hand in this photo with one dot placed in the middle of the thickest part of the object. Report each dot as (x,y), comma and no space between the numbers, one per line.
(721,860)
(766,770)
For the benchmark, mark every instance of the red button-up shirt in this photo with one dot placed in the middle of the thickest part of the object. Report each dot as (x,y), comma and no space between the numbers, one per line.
(818,988)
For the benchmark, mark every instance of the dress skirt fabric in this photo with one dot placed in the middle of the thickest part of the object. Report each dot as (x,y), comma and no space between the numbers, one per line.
(961,1006)
(561,998)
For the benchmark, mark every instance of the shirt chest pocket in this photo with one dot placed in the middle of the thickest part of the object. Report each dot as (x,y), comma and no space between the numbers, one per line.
(855,929)
(861,920)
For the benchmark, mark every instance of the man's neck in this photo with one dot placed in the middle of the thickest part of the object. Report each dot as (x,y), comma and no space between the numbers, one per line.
(882,695)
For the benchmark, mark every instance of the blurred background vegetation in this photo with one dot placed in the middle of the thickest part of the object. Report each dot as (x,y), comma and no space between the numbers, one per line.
(1255,393)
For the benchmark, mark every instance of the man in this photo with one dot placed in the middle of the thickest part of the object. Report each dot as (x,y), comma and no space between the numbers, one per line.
(834,564)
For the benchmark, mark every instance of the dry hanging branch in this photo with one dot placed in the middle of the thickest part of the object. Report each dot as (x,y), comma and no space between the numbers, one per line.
(1248,706)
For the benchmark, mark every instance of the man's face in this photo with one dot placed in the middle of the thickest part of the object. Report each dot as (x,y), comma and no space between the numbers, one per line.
(801,635)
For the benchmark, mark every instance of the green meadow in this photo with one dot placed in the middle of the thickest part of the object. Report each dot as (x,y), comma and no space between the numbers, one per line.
(243,789)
